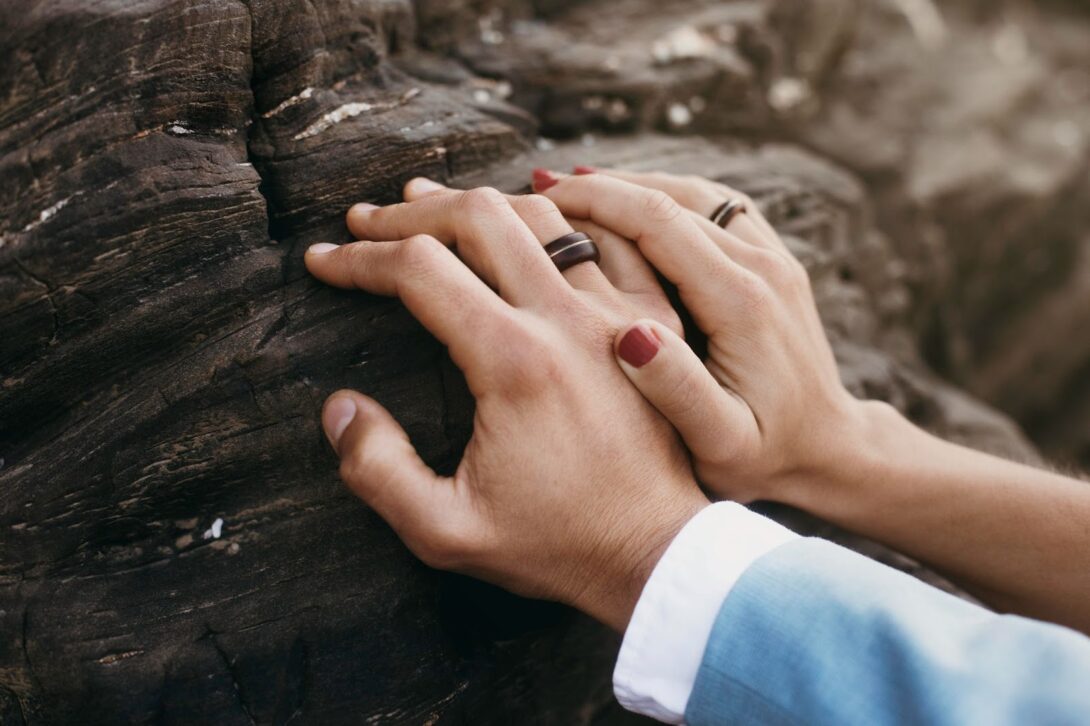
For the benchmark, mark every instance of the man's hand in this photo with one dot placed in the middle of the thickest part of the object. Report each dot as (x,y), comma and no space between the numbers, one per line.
(572,485)
(766,413)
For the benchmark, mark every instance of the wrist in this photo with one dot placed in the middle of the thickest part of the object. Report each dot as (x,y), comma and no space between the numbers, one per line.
(861,453)
(614,587)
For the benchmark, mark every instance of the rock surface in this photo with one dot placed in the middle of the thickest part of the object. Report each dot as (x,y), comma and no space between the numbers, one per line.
(975,140)
(163,354)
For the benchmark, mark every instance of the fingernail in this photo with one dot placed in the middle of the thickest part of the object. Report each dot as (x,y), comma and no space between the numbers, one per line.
(362,207)
(584,169)
(543,179)
(321,248)
(338,413)
(423,185)
(638,346)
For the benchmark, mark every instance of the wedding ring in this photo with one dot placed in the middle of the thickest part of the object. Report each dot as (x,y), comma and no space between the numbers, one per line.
(727,211)
(571,249)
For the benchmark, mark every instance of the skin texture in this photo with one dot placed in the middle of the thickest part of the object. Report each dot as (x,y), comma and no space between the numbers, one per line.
(766,416)
(572,484)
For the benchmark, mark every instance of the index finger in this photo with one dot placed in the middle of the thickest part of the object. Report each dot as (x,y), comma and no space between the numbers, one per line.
(488,233)
(702,196)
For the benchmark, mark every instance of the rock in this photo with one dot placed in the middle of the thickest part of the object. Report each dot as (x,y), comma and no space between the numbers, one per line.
(164,355)
(629,65)
(977,147)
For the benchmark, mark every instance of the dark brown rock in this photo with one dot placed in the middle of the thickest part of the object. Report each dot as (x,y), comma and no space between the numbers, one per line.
(164,356)
(976,144)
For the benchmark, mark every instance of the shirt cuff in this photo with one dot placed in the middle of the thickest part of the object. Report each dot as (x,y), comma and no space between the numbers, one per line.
(665,640)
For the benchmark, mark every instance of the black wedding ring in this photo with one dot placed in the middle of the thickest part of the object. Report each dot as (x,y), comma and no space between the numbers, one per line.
(571,249)
(727,211)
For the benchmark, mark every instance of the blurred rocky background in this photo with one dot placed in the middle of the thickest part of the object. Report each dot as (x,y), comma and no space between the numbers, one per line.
(174,545)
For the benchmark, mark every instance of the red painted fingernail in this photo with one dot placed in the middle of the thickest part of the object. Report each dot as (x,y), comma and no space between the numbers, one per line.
(584,169)
(638,346)
(543,179)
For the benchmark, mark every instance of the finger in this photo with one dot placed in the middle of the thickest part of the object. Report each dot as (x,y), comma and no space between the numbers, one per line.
(673,379)
(753,218)
(547,223)
(436,287)
(667,236)
(627,270)
(703,197)
(622,263)
(745,227)
(540,215)
(690,192)
(381,466)
(487,232)
(732,245)
(768,263)
(420,187)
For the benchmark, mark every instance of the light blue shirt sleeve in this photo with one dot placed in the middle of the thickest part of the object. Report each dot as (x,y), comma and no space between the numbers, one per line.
(813,633)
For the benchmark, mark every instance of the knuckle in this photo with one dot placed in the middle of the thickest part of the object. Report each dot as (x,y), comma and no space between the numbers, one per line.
(722,189)
(508,327)
(664,312)
(736,449)
(721,268)
(515,235)
(698,183)
(420,252)
(776,267)
(540,368)
(366,475)
(729,453)
(682,397)
(537,207)
(390,220)
(549,370)
(352,470)
(532,365)
(513,343)
(745,199)
(798,275)
(753,292)
(660,206)
(353,253)
(784,272)
(482,200)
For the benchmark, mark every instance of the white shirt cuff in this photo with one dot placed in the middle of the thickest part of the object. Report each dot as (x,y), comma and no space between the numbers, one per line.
(664,644)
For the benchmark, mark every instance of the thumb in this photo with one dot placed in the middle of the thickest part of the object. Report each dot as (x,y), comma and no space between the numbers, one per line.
(381,466)
(675,381)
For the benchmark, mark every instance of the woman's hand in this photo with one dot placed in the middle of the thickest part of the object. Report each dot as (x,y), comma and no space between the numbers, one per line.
(571,485)
(766,416)
(766,413)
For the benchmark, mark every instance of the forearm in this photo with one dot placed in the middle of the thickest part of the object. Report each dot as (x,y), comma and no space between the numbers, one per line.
(814,633)
(1015,536)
